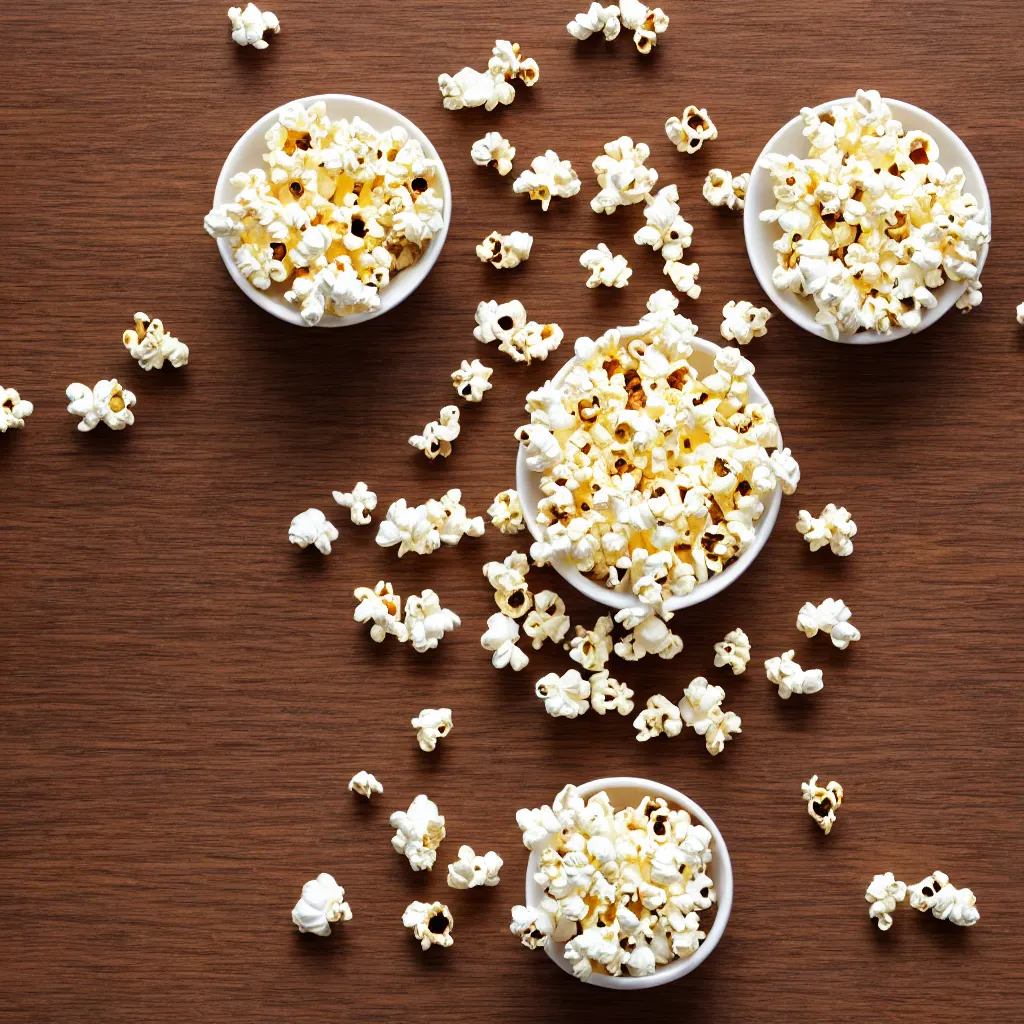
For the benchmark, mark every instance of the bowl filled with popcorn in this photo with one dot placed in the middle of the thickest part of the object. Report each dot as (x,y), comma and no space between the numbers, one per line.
(878,230)
(652,469)
(629,883)
(330,210)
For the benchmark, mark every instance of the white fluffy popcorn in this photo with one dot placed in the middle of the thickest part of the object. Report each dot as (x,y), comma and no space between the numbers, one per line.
(606,269)
(591,648)
(691,130)
(419,832)
(946,902)
(431,923)
(508,579)
(14,410)
(832,616)
(648,636)
(564,696)
(322,904)
(743,321)
(608,694)
(488,89)
(426,622)
(646,23)
(822,802)
(151,345)
(472,380)
(733,652)
(834,527)
(107,402)
(523,340)
(883,894)
(596,19)
(431,725)
(790,678)
(546,620)
(502,638)
(701,710)
(622,175)
(971,296)
(684,277)
(470,871)
(494,151)
(360,502)
(660,718)
(365,784)
(548,177)
(505,251)
(313,527)
(506,512)
(666,231)
(424,528)
(724,189)
(251,26)
(1020,314)
(436,439)
(383,607)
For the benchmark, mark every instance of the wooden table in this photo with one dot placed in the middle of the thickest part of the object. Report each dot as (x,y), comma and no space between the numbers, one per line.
(185,694)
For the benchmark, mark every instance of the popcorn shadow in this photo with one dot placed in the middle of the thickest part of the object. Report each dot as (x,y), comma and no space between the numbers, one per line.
(102,439)
(323,948)
(169,380)
(952,937)
(309,559)
(800,711)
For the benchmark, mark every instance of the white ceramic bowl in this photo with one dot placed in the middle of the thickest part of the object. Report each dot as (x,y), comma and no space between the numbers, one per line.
(626,790)
(789,140)
(528,485)
(248,153)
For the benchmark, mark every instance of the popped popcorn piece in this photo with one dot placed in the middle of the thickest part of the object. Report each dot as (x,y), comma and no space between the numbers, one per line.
(14,410)
(498,321)
(832,616)
(723,189)
(650,635)
(701,711)
(743,321)
(684,277)
(431,725)
(431,923)
(605,269)
(508,578)
(548,177)
(690,131)
(419,832)
(365,784)
(251,26)
(564,696)
(383,607)
(436,439)
(506,60)
(608,694)
(660,718)
(313,527)
(733,652)
(502,637)
(424,528)
(622,175)
(322,904)
(470,871)
(532,925)
(505,251)
(883,894)
(426,622)
(469,88)
(1020,314)
(946,902)
(790,678)
(107,402)
(971,296)
(533,341)
(591,648)
(646,23)
(151,345)
(506,512)
(666,230)
(360,502)
(834,527)
(546,620)
(494,151)
(822,802)
(596,19)
(472,380)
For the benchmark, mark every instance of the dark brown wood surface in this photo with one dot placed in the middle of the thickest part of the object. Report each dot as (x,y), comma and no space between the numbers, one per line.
(185,695)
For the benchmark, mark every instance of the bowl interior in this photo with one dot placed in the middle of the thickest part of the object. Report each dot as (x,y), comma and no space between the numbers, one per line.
(789,140)
(248,152)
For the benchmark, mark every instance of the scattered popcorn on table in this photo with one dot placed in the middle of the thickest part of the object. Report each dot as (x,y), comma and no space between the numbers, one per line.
(871,222)
(494,151)
(426,622)
(822,802)
(833,527)
(790,678)
(502,637)
(733,652)
(605,269)
(649,635)
(431,725)
(469,88)
(689,132)
(313,527)
(564,696)
(883,894)
(832,617)
(365,784)
(419,832)
(436,439)
(1020,314)
(508,579)
(548,177)
(596,19)
(470,871)
(660,718)
(498,321)
(472,380)
(971,296)
(684,277)
(322,904)
(743,321)
(251,26)
(667,231)
(622,175)
(383,607)
(608,694)
(701,710)
(431,923)
(646,23)
(14,410)
(360,502)
(591,648)
(547,619)
(944,900)
(506,512)
(424,528)
(151,345)
(505,251)
(107,402)
(723,189)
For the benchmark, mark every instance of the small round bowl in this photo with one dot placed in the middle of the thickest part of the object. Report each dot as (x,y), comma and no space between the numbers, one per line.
(248,153)
(528,485)
(625,790)
(759,236)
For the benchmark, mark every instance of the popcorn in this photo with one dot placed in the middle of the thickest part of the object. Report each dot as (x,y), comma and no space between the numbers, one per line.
(733,652)
(438,434)
(690,131)
(505,251)
(365,784)
(684,277)
(701,711)
(431,923)
(596,19)
(431,725)
(360,502)
(605,269)
(971,296)
(499,321)
(833,527)
(743,321)
(790,678)
(383,607)
(501,637)
(151,345)
(488,89)
(646,23)
(548,176)
(1020,314)
(883,894)
(251,26)
(591,648)
(608,694)
(723,189)
(667,230)
(14,410)
(831,617)
(534,341)
(426,622)
(322,903)
(649,636)
(506,60)
(622,175)
(495,151)
(822,802)
(508,578)
(534,926)
(660,718)
(419,832)
(472,380)
(564,696)
(107,402)
(313,527)
(506,512)
(546,620)
(944,900)
(470,871)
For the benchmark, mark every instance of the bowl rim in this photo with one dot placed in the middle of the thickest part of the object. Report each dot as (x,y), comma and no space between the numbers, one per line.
(618,599)
(722,876)
(408,280)
(800,310)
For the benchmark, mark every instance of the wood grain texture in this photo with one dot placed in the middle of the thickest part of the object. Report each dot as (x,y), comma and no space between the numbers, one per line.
(185,695)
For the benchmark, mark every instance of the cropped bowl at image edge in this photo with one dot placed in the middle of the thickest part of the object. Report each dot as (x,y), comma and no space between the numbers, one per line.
(760,236)
(628,790)
(247,154)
